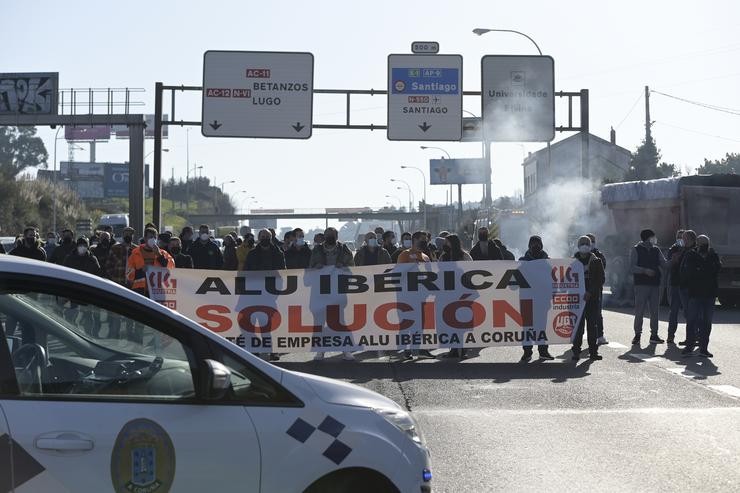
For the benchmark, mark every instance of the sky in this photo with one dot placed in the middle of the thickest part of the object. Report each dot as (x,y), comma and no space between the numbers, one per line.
(685,49)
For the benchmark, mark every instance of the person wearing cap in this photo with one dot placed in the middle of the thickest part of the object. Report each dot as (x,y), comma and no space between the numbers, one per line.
(700,269)
(182,261)
(147,254)
(28,246)
(646,261)
(163,241)
(65,247)
(593,272)
(82,258)
(535,252)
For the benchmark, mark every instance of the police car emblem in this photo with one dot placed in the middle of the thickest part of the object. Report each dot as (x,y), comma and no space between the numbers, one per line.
(143,459)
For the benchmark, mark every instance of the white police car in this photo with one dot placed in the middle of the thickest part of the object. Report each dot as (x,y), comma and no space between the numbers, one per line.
(104,390)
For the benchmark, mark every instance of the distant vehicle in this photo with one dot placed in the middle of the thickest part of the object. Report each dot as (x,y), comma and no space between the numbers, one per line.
(8,243)
(222,231)
(707,204)
(117,221)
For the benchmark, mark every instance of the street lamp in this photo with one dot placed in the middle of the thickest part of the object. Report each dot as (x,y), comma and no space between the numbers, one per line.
(411,194)
(226,183)
(400,206)
(481,31)
(424,185)
(438,149)
(152,152)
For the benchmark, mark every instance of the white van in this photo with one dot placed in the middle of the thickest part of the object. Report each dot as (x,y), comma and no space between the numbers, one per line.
(117,222)
(104,390)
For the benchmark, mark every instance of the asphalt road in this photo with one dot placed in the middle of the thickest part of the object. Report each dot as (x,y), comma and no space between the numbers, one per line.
(642,419)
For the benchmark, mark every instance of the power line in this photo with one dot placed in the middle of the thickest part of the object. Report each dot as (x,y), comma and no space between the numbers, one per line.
(634,105)
(723,109)
(697,132)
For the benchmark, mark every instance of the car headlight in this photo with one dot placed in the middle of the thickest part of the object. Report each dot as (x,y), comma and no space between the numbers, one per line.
(403,421)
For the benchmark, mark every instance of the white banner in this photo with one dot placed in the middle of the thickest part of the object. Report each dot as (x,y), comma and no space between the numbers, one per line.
(446,304)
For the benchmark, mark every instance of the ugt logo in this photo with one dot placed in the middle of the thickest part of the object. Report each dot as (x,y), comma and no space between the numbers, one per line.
(564,277)
(162,283)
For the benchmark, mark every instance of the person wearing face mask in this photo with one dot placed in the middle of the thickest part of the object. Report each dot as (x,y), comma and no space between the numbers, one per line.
(700,271)
(415,254)
(82,258)
(182,261)
(371,253)
(186,238)
(406,243)
(485,249)
(102,251)
(231,261)
(205,252)
(115,266)
(452,251)
(265,255)
(163,241)
(331,252)
(64,248)
(29,247)
(535,252)
(689,243)
(146,254)
(646,262)
(675,256)
(298,256)
(51,244)
(593,272)
(389,243)
(243,250)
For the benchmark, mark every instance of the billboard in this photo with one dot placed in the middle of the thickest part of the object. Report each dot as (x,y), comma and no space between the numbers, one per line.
(29,93)
(98,180)
(96,132)
(457,171)
(116,180)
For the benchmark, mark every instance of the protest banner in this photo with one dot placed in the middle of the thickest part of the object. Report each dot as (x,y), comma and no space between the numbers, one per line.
(425,306)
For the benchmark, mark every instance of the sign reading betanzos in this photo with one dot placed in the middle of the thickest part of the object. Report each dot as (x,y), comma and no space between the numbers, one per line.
(449,304)
(518,98)
(425,97)
(257,94)
(29,94)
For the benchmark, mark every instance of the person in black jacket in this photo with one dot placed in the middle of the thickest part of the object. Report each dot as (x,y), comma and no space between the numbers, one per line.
(298,255)
(535,252)
(65,247)
(504,251)
(230,260)
(82,259)
(182,261)
(29,247)
(485,249)
(646,263)
(101,251)
(593,271)
(675,256)
(265,255)
(205,252)
(701,268)
(599,317)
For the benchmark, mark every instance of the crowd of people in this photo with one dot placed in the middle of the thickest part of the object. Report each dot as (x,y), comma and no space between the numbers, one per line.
(692,267)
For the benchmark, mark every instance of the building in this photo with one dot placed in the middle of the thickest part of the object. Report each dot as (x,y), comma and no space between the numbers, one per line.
(564,161)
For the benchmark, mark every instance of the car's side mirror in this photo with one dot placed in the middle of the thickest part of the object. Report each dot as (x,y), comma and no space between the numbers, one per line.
(216,381)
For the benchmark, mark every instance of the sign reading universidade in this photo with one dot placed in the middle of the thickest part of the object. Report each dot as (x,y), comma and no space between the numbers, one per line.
(451,304)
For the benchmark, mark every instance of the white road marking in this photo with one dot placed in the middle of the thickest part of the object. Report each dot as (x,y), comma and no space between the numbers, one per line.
(529,412)
(616,345)
(684,372)
(726,389)
(646,357)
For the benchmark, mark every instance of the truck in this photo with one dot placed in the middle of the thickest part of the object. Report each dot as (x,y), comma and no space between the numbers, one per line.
(117,221)
(706,204)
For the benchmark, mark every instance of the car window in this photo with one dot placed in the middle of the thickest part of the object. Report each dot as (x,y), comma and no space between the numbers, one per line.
(64,346)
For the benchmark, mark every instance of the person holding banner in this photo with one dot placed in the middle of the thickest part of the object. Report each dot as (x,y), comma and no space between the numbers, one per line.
(452,251)
(535,252)
(485,249)
(332,252)
(405,245)
(416,255)
(142,256)
(371,253)
(593,270)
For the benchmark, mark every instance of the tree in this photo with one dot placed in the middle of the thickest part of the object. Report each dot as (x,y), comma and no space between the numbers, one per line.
(644,163)
(20,149)
(729,164)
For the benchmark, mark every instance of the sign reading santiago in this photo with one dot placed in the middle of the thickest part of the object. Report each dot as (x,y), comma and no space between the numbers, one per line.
(449,304)
(518,98)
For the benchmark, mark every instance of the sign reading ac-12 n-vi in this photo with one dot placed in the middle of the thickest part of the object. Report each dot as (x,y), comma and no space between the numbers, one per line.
(425,97)
(257,94)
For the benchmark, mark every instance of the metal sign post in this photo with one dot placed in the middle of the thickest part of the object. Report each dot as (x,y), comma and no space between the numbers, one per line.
(425,97)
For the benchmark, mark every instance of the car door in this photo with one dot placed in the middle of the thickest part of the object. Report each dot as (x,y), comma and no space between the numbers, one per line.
(107,396)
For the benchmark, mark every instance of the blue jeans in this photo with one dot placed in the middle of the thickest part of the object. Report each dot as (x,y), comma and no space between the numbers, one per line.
(699,325)
(677,304)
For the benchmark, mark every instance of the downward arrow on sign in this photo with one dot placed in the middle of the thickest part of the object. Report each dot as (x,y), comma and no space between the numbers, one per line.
(425,127)
(215,125)
(298,127)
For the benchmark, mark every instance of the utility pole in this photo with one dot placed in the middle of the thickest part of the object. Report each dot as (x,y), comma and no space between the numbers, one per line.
(648,135)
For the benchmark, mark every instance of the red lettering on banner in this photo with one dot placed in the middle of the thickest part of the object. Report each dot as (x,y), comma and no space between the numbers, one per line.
(206,312)
(244,319)
(450,314)
(333,318)
(258,73)
(428,317)
(218,93)
(523,317)
(295,321)
(381,316)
